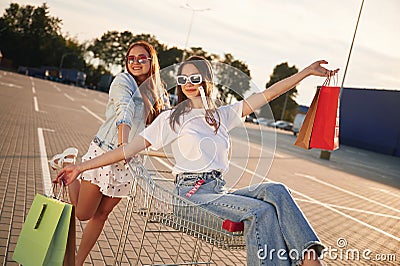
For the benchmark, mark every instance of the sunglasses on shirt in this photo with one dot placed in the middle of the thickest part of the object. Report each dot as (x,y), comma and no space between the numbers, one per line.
(141,59)
(194,79)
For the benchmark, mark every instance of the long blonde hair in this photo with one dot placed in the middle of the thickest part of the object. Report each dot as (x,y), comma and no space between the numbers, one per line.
(152,89)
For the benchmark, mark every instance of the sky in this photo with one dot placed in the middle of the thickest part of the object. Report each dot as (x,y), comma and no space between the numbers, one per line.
(261,33)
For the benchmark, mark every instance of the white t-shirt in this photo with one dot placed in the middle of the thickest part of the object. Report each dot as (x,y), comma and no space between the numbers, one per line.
(195,146)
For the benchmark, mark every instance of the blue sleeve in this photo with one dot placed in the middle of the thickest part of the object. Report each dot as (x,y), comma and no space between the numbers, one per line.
(121,91)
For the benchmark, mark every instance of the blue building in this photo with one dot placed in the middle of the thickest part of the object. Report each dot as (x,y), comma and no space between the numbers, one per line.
(370,119)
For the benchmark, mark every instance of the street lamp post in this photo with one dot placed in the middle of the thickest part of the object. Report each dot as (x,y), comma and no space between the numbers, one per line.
(326,154)
(284,106)
(194,10)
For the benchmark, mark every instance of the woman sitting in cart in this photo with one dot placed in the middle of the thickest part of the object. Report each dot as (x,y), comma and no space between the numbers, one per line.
(271,217)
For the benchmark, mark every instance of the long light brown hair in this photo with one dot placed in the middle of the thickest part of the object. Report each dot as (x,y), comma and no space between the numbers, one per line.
(152,89)
(184,105)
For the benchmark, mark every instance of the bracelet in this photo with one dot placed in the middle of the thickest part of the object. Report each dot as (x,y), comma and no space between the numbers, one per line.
(121,144)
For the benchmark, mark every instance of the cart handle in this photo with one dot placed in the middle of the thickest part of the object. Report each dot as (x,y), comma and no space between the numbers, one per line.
(159,154)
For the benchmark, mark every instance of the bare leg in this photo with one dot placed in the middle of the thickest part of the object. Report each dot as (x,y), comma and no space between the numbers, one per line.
(88,201)
(97,220)
(73,190)
(311,259)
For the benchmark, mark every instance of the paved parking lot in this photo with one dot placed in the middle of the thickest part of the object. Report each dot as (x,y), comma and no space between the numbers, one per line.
(352,200)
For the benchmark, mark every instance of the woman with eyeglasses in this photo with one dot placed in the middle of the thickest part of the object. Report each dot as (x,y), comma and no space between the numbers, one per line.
(198,132)
(136,98)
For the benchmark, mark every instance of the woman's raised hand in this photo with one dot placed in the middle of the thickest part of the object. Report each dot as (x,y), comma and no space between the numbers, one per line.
(316,69)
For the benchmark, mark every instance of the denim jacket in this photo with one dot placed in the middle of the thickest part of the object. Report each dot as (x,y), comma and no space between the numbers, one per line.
(125,106)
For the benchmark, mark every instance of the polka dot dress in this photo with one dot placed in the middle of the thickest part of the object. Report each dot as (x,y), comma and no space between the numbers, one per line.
(113,180)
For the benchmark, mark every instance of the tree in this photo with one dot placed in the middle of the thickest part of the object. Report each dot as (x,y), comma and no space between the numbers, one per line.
(150,39)
(111,48)
(233,78)
(280,72)
(32,36)
(170,56)
(94,75)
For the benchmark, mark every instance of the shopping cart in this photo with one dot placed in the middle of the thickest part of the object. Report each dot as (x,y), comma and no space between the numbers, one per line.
(153,200)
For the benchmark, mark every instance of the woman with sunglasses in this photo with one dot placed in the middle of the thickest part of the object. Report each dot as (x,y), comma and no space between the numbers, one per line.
(199,136)
(136,98)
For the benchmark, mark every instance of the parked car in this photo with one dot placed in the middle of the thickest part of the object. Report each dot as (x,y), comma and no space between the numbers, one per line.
(72,76)
(249,119)
(288,126)
(285,125)
(298,122)
(263,121)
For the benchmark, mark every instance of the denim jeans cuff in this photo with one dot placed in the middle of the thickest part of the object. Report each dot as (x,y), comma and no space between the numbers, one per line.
(123,121)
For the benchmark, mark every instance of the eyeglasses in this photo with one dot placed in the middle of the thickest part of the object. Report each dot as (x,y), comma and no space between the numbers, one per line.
(194,79)
(141,59)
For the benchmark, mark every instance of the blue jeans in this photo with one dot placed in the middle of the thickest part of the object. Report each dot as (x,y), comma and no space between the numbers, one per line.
(275,228)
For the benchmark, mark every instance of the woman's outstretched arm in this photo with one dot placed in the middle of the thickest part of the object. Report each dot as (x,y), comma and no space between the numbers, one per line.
(69,173)
(257,100)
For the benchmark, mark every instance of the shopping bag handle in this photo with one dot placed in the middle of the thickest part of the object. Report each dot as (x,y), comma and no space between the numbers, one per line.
(61,195)
(330,76)
(44,206)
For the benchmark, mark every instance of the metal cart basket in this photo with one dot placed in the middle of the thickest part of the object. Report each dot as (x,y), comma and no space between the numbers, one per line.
(153,200)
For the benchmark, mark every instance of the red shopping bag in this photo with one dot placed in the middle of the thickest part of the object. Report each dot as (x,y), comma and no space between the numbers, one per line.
(320,128)
(325,131)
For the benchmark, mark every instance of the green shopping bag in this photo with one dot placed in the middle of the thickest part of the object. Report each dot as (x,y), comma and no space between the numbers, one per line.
(44,235)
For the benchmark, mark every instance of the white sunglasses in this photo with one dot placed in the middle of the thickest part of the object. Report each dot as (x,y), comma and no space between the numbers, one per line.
(194,79)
